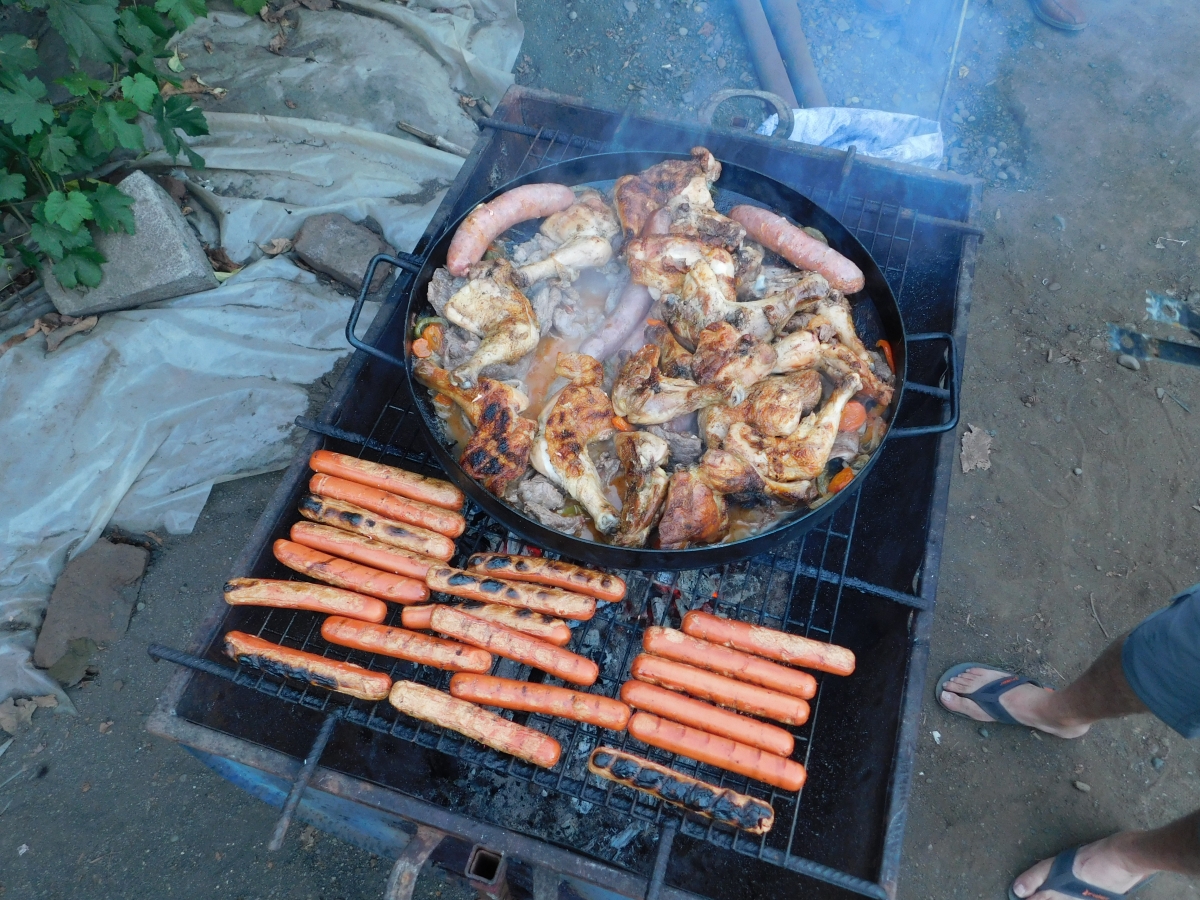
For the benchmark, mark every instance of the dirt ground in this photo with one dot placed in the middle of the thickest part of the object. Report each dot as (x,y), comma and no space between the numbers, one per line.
(1098,139)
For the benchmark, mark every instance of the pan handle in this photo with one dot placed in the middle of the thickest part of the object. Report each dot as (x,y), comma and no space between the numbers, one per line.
(949,395)
(401,261)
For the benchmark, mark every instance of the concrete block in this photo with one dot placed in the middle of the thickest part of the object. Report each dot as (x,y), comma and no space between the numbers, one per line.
(332,244)
(162,260)
(93,599)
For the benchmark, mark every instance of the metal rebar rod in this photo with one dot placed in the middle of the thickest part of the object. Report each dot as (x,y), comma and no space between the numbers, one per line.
(962,17)
(351,437)
(784,16)
(301,783)
(659,873)
(772,74)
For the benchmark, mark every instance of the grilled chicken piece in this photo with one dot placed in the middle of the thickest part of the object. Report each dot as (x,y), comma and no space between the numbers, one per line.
(644,396)
(801,456)
(704,299)
(492,307)
(580,414)
(779,403)
(661,262)
(732,476)
(732,361)
(796,351)
(714,423)
(498,452)
(748,260)
(674,359)
(642,457)
(638,197)
(694,512)
(840,362)
(584,232)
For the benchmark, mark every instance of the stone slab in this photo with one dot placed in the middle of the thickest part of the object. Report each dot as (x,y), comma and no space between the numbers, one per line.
(332,244)
(93,599)
(163,259)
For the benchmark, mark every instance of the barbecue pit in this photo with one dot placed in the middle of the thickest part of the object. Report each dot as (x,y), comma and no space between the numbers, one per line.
(866,579)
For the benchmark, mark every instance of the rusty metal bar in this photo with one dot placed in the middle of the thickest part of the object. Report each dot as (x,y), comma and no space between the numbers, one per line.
(403,880)
(302,780)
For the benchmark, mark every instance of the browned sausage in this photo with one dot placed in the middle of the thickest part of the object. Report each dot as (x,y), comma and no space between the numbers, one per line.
(515,646)
(798,248)
(362,521)
(717,751)
(671,644)
(488,221)
(747,698)
(284,662)
(475,586)
(344,574)
(553,572)
(302,595)
(787,648)
(544,628)
(506,693)
(402,644)
(434,491)
(411,512)
(481,725)
(361,549)
(683,709)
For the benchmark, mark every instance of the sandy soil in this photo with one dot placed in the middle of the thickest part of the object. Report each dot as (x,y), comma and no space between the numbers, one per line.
(1101,152)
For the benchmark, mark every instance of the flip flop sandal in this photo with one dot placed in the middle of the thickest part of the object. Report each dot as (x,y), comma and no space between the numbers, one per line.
(987,697)
(1061,880)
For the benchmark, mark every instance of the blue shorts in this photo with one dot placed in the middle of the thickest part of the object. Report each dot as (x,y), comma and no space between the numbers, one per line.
(1161,658)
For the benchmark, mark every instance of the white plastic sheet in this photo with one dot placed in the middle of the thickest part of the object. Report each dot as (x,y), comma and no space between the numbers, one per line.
(874,132)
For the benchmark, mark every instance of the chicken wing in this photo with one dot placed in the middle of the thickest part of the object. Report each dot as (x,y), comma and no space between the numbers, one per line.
(801,456)
(795,351)
(779,403)
(694,513)
(674,360)
(498,452)
(492,306)
(642,457)
(644,396)
(580,414)
(638,197)
(704,299)
(730,360)
(839,362)
(732,476)
(583,232)
(661,262)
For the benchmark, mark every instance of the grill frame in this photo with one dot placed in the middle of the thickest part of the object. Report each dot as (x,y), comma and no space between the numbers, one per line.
(855,208)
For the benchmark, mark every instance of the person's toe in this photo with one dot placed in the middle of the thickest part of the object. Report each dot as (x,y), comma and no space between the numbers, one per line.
(1031,879)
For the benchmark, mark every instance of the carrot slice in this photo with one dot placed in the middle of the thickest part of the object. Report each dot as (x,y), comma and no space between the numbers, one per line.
(621,425)
(854,415)
(887,353)
(840,480)
(421,349)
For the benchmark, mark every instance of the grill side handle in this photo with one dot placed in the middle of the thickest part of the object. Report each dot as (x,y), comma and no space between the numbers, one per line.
(404,261)
(948,395)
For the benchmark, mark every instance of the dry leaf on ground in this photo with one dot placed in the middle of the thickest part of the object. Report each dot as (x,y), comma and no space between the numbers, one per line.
(276,246)
(193,86)
(278,42)
(976,449)
(15,713)
(220,260)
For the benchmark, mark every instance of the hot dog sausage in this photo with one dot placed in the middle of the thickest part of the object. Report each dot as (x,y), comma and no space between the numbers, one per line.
(787,648)
(481,725)
(685,710)
(345,574)
(362,521)
(553,572)
(798,248)
(717,751)
(515,646)
(718,689)
(283,662)
(411,512)
(475,586)
(434,491)
(490,220)
(671,644)
(402,644)
(365,550)
(544,628)
(728,807)
(301,595)
(506,693)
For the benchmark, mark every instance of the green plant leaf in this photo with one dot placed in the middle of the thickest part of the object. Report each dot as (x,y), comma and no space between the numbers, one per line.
(140,90)
(250,7)
(80,84)
(20,107)
(178,112)
(54,149)
(111,207)
(139,34)
(15,53)
(54,240)
(152,20)
(69,210)
(88,26)
(194,158)
(12,186)
(182,12)
(112,125)
(80,266)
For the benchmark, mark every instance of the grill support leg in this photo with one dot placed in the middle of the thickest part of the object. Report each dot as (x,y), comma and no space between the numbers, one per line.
(403,880)
(302,780)
(659,874)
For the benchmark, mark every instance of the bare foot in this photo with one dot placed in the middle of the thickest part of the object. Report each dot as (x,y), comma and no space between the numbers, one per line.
(1026,703)
(1103,864)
